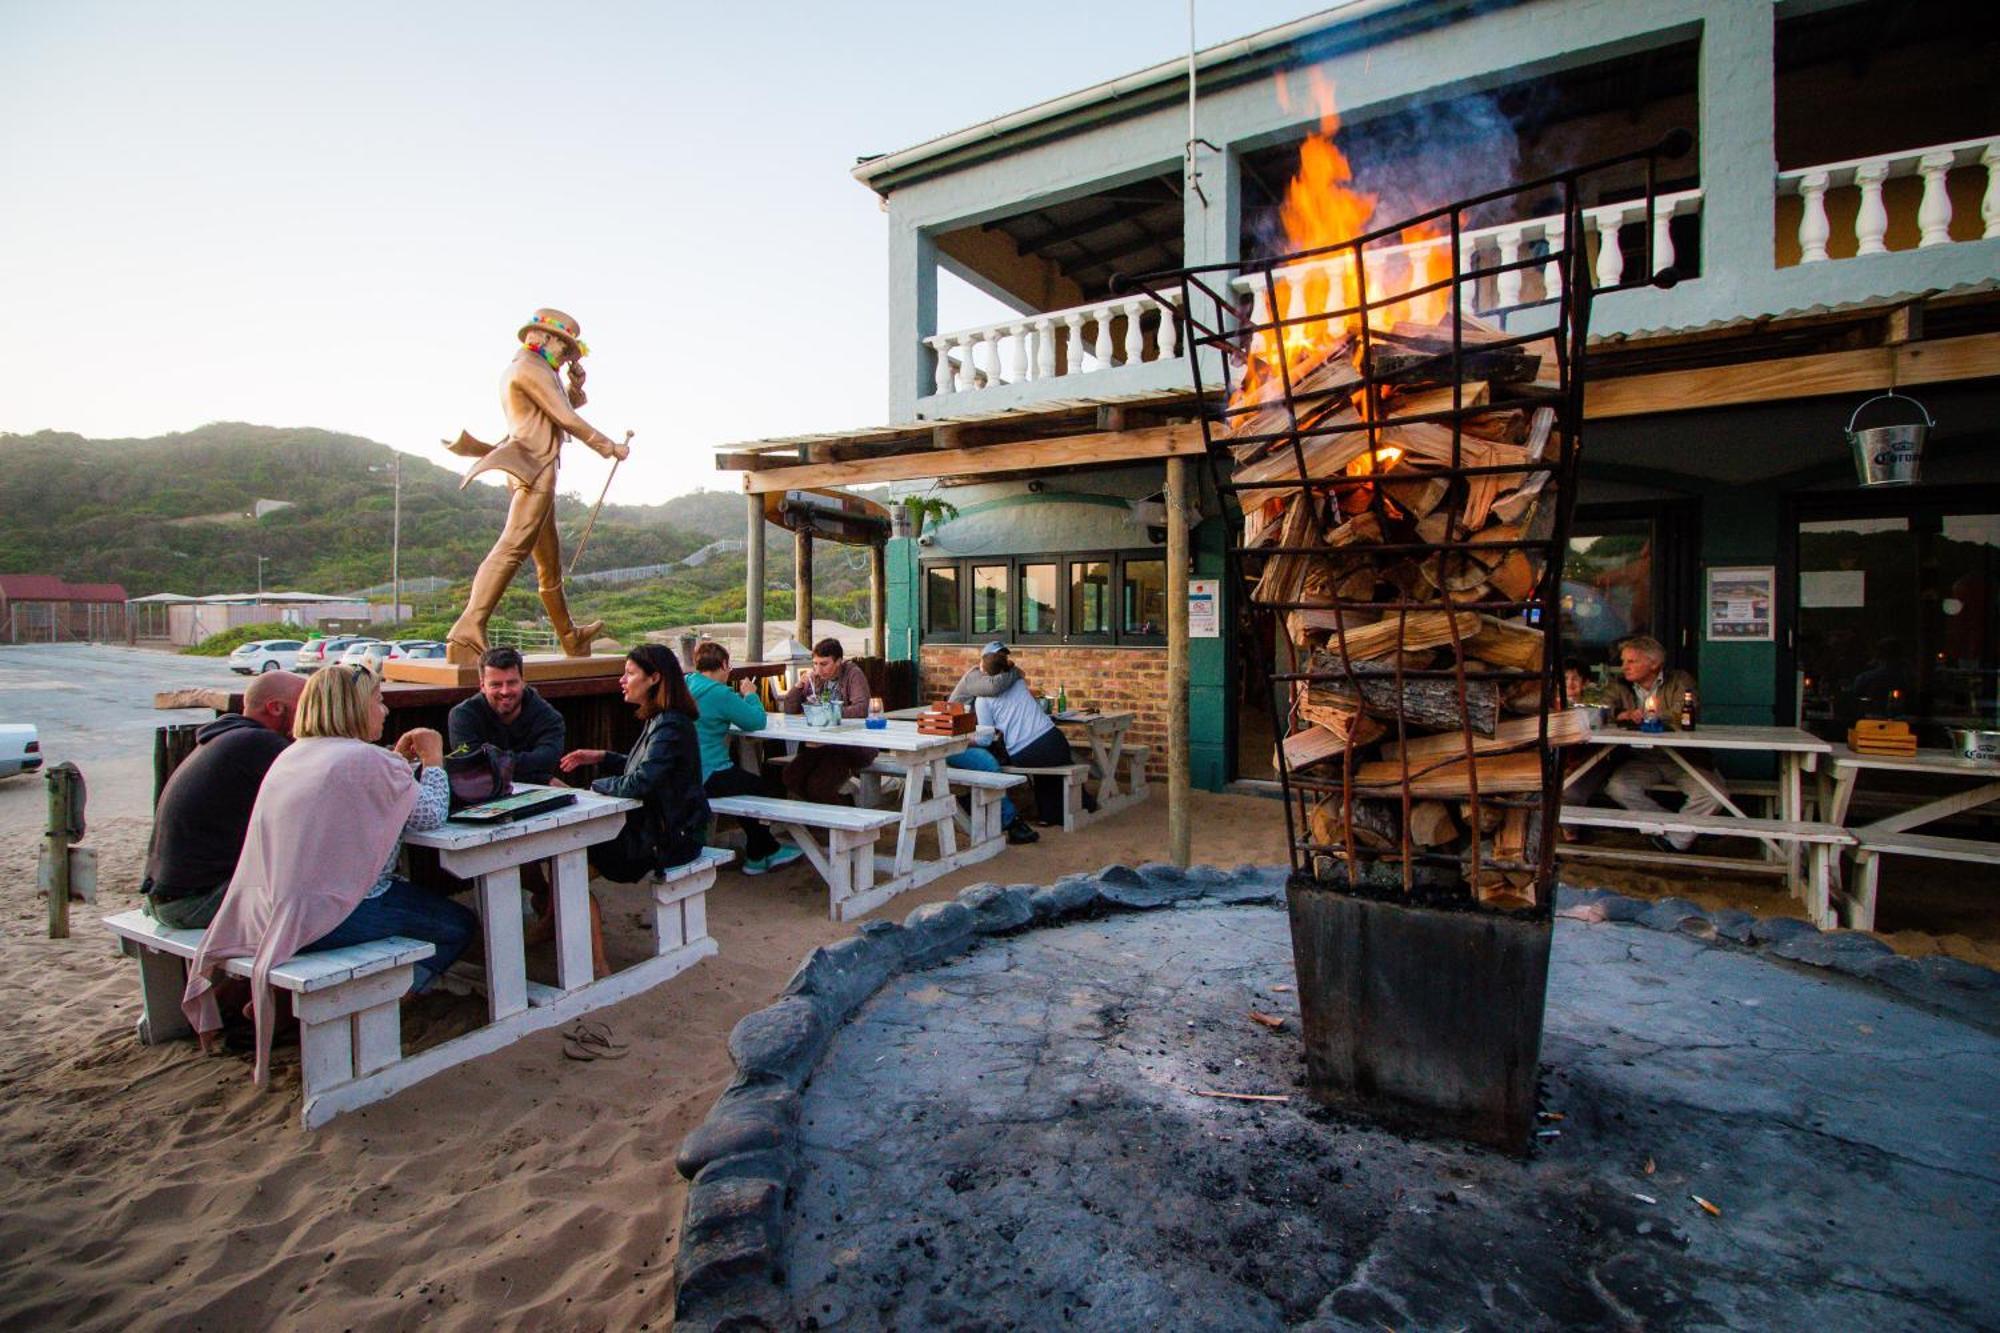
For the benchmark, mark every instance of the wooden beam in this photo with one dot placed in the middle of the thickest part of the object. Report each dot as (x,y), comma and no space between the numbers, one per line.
(1973,357)
(753,582)
(1176,441)
(1178,760)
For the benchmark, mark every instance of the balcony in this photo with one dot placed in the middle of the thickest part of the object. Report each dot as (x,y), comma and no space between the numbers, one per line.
(1916,199)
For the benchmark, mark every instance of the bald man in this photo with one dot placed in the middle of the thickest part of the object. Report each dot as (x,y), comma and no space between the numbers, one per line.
(204,810)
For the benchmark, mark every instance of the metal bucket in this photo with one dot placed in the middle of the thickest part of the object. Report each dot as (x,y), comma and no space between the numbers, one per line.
(1889,455)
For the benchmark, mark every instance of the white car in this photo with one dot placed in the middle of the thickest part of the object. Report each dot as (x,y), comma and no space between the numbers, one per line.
(316,653)
(370,653)
(253,659)
(419,650)
(20,750)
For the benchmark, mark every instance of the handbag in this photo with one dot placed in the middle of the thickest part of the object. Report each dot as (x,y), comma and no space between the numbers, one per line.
(477,776)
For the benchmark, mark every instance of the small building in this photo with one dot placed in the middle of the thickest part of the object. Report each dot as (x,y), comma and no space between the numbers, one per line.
(41,608)
(185,621)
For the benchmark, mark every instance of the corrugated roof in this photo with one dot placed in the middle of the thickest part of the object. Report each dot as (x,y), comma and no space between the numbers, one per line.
(50,588)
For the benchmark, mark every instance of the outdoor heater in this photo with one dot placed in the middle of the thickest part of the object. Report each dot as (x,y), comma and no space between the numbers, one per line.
(1400,431)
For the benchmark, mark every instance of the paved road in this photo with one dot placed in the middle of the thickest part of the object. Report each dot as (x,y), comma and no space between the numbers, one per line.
(93,706)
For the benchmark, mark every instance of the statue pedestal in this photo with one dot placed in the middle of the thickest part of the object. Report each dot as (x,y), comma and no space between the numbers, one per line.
(535,668)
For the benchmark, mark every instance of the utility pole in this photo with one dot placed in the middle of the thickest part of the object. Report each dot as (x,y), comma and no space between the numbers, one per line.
(260,578)
(394,467)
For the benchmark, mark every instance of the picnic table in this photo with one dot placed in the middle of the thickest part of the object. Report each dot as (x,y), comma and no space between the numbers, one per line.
(1892,836)
(1797,751)
(1105,733)
(927,800)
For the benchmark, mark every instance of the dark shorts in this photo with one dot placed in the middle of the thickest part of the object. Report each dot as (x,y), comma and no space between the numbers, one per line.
(191,913)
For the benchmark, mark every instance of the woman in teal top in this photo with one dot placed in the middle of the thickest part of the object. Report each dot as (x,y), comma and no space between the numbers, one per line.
(723,710)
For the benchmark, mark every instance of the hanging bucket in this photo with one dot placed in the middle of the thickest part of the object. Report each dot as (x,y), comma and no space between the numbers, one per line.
(1889,455)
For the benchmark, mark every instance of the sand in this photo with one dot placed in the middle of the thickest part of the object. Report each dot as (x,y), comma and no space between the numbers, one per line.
(148,1186)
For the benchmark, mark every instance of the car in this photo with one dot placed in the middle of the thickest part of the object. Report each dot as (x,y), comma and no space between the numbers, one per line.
(20,749)
(370,653)
(253,659)
(318,652)
(421,650)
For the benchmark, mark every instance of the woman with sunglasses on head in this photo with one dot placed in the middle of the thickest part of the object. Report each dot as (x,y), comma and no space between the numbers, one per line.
(662,772)
(318,864)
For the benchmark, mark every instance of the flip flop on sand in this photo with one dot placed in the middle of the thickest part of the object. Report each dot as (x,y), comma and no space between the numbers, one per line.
(589,1040)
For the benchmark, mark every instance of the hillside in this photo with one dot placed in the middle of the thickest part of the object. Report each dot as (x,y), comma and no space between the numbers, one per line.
(154,515)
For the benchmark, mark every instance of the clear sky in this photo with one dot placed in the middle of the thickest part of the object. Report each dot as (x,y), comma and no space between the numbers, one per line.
(336,215)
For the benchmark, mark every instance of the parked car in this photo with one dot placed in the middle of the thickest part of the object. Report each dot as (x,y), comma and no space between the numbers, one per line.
(422,650)
(20,749)
(370,653)
(253,659)
(319,652)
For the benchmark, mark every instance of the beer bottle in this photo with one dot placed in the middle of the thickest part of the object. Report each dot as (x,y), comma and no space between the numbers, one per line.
(1687,710)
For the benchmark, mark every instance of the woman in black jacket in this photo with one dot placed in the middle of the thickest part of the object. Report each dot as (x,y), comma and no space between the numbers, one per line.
(662,772)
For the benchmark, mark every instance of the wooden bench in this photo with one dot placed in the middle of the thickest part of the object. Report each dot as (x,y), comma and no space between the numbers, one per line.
(1820,841)
(847,859)
(1870,847)
(1135,770)
(680,904)
(1073,776)
(347,1000)
(988,791)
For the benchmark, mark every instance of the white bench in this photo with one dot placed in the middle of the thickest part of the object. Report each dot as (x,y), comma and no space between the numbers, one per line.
(347,1000)
(680,902)
(1073,776)
(1869,848)
(846,861)
(988,791)
(1135,771)
(1820,841)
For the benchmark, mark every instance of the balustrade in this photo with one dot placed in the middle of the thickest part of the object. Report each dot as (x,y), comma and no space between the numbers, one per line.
(1869,178)
(1055,344)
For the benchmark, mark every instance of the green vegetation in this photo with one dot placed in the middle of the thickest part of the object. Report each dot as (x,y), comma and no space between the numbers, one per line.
(223,644)
(171,514)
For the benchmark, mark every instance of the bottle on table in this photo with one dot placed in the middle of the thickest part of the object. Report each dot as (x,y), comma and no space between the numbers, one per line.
(1062,698)
(1688,706)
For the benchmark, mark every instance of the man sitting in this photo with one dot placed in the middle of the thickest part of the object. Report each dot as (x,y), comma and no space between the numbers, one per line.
(978,683)
(204,810)
(722,710)
(818,772)
(1027,736)
(511,716)
(1643,664)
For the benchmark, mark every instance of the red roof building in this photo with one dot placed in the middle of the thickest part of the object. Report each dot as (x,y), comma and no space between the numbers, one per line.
(42,608)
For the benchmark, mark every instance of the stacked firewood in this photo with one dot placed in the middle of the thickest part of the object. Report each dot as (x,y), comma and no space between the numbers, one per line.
(1397,579)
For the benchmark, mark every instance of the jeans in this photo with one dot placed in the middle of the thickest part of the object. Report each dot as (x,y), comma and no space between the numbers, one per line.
(404,909)
(981,760)
(733,781)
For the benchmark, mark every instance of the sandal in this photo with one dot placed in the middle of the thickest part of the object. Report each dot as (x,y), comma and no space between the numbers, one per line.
(590,1040)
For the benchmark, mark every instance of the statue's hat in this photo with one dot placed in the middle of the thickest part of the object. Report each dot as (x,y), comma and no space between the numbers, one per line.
(550,320)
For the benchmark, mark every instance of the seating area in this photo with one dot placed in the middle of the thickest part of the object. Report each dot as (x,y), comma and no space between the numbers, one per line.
(839,840)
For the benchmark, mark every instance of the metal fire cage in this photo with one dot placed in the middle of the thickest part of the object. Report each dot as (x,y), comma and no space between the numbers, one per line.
(1226,308)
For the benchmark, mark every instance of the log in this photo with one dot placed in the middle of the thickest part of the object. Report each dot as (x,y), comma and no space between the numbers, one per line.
(1525,498)
(1329,732)
(1566,727)
(1487,817)
(1316,385)
(1398,632)
(1510,843)
(1424,402)
(1427,702)
(1515,577)
(1389,363)
(1508,644)
(1326,455)
(1499,774)
(1431,824)
(1375,824)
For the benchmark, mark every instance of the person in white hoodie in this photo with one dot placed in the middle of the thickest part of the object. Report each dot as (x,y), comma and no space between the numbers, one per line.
(1026,738)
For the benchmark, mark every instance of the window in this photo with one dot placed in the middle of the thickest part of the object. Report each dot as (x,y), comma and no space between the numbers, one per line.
(989,600)
(942,613)
(1082,597)
(1145,599)
(1090,599)
(1038,602)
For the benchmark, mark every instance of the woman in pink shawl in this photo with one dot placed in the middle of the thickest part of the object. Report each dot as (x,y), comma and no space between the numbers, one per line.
(317,870)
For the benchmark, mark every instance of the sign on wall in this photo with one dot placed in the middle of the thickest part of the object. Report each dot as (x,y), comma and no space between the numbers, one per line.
(1204,608)
(1742,603)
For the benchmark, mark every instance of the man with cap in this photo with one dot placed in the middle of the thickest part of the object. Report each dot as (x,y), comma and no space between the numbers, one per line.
(541,414)
(1001,700)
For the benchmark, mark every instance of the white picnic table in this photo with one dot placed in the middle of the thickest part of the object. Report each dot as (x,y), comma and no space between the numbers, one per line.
(1892,835)
(1106,734)
(1797,751)
(927,800)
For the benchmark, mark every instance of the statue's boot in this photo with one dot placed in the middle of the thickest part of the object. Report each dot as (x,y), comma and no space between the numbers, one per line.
(467,637)
(575,639)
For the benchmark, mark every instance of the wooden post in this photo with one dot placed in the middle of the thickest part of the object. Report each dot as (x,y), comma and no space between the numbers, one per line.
(65,825)
(802,587)
(1178,837)
(753,582)
(878,599)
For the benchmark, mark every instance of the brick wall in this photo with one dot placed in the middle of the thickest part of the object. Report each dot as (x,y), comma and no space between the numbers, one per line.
(1109,680)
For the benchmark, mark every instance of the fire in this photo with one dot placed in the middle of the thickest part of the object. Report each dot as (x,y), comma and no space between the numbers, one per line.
(1322,207)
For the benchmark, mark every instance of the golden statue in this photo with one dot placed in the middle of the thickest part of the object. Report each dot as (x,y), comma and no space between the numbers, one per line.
(540,415)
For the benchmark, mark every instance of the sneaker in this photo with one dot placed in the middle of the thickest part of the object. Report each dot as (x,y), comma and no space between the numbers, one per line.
(781,858)
(1020,832)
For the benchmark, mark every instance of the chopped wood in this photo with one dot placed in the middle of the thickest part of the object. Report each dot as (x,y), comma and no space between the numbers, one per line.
(1315,745)
(1426,702)
(1283,579)
(1431,824)
(1326,455)
(1391,364)
(1315,619)
(1316,385)
(1424,402)
(1511,842)
(1397,632)
(1416,498)
(1271,1021)
(1566,727)
(1375,824)
(1359,729)
(1472,332)
(1515,576)
(1508,643)
(1487,817)
(1238,1096)
(1498,774)
(1523,501)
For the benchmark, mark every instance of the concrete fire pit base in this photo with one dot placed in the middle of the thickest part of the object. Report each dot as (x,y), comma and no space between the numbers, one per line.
(1009,1129)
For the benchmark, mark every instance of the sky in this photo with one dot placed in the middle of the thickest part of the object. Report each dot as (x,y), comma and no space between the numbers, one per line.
(338,215)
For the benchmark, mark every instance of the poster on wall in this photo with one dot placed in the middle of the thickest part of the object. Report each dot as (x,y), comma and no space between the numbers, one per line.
(1742,603)
(1204,615)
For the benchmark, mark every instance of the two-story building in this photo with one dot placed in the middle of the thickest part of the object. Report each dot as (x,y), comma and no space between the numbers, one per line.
(1836,232)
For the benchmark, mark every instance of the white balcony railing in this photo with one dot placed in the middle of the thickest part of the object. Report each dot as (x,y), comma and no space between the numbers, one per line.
(1871,218)
(1056,344)
(1482,250)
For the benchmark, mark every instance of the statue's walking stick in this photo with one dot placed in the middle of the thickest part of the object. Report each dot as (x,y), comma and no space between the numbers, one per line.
(591,522)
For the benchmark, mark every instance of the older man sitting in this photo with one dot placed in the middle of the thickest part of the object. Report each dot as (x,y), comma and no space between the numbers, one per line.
(1649,686)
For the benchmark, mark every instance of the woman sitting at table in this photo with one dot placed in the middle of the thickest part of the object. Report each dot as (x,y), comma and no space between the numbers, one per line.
(663,772)
(318,864)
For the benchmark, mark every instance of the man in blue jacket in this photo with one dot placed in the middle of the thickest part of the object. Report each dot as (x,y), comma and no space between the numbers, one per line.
(724,709)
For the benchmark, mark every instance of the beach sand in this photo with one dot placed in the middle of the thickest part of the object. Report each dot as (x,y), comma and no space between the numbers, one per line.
(148,1186)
